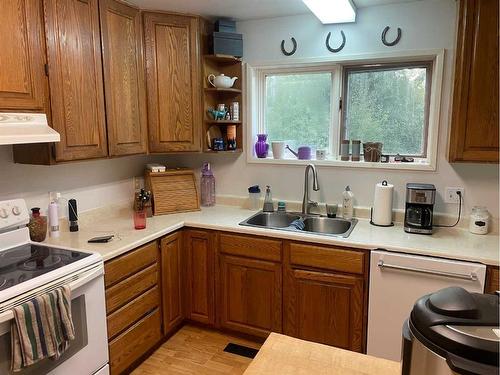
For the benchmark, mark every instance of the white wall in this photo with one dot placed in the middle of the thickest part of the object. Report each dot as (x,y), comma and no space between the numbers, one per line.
(92,183)
(425,24)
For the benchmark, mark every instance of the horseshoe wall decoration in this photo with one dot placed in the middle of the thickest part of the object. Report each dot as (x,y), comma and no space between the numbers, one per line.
(285,52)
(338,49)
(395,41)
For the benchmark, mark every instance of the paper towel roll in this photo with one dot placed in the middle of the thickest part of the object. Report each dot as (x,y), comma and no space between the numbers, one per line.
(382,204)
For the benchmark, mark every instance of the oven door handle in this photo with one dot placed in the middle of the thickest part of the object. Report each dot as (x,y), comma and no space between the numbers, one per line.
(80,281)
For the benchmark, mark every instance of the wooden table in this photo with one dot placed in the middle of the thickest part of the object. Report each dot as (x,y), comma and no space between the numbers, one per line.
(287,355)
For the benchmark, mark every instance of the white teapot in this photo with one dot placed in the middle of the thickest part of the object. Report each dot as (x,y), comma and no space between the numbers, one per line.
(221,81)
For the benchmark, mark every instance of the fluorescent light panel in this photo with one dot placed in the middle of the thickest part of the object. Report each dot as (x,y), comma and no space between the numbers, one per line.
(332,11)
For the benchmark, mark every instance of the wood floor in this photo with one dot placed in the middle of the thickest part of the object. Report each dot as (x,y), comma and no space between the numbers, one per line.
(195,350)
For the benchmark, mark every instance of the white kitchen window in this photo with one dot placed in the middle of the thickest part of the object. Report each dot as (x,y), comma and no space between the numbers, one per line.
(388,103)
(392,100)
(298,108)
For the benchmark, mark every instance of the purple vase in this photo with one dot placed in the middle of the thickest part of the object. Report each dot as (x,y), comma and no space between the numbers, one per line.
(261,146)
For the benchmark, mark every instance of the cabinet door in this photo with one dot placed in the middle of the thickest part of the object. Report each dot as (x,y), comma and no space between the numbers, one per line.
(125,92)
(173,81)
(474,125)
(171,278)
(492,280)
(250,295)
(200,251)
(325,308)
(23,83)
(75,77)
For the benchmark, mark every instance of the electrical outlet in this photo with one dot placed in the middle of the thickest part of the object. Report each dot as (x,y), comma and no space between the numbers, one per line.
(451,195)
(54,196)
(138,183)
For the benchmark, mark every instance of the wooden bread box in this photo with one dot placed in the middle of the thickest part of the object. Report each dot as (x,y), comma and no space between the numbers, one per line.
(172,191)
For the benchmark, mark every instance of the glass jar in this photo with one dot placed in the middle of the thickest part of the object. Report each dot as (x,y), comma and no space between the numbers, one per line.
(207,186)
(479,220)
(37,225)
(140,219)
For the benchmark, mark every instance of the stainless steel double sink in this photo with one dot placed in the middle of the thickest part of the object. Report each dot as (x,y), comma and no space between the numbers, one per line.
(336,227)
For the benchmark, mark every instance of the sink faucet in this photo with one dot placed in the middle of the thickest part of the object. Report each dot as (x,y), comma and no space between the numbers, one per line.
(306,202)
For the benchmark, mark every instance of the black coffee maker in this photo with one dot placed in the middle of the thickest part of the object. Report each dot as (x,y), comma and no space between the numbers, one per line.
(420,200)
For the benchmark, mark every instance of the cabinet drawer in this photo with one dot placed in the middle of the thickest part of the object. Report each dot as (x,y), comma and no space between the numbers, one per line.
(128,289)
(128,264)
(129,314)
(330,258)
(135,342)
(252,247)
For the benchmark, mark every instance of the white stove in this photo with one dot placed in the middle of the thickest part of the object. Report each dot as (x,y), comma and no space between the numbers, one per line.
(28,269)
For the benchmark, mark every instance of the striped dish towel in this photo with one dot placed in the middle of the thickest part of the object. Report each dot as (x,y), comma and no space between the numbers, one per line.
(42,328)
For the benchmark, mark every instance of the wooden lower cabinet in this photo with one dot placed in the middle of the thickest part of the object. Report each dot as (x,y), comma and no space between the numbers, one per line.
(135,342)
(251,297)
(261,285)
(200,276)
(321,304)
(171,276)
(133,306)
(492,279)
(325,307)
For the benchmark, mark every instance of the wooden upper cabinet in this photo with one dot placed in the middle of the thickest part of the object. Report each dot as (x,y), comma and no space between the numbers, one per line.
(173,82)
(75,77)
(474,126)
(124,86)
(23,84)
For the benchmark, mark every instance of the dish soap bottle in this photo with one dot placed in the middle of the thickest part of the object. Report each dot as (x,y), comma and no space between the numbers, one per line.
(207,186)
(268,201)
(347,207)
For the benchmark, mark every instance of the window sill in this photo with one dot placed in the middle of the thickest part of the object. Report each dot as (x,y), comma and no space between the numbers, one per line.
(423,165)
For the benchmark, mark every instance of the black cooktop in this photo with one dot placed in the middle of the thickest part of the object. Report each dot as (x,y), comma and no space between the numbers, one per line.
(29,261)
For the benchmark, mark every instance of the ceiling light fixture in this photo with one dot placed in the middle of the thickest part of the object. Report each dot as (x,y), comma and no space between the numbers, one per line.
(332,11)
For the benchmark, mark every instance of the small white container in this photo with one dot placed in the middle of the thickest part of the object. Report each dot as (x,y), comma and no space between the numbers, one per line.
(479,220)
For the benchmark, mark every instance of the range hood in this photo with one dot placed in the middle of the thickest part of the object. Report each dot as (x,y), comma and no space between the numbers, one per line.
(18,128)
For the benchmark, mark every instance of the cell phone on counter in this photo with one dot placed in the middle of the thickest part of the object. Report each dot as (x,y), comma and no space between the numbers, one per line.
(102,239)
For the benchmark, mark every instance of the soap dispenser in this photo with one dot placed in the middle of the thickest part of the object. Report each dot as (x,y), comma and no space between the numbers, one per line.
(268,201)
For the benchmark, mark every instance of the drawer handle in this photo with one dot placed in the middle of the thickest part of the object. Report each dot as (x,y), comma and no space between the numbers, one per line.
(471,277)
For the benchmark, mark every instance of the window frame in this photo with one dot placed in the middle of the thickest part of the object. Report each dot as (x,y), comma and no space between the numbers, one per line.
(254,94)
(428,65)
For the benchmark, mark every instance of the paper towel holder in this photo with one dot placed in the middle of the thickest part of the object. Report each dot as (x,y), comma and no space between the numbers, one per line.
(378,225)
(371,214)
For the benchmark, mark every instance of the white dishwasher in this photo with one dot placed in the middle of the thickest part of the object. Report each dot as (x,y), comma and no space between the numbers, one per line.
(397,281)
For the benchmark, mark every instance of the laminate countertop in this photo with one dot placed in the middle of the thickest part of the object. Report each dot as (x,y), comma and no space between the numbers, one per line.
(286,355)
(451,243)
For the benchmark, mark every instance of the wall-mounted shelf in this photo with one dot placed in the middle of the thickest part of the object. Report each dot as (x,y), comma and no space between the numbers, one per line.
(223,59)
(215,89)
(223,122)
(237,151)
(231,67)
